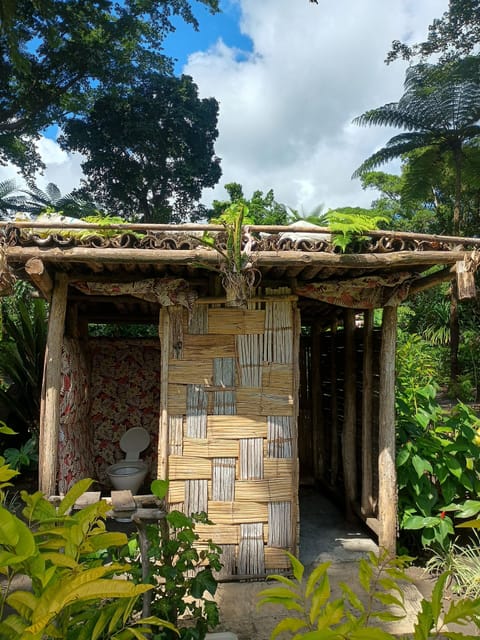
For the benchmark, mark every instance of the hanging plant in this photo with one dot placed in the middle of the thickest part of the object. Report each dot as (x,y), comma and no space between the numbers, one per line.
(238,274)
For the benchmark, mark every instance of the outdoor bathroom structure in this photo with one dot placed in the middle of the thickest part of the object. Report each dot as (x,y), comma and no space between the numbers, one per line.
(244,398)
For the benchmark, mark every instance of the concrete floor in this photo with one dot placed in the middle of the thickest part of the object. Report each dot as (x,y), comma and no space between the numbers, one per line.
(324,536)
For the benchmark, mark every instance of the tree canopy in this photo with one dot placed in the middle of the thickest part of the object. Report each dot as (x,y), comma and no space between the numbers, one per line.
(58,56)
(454,35)
(440,113)
(262,208)
(149,148)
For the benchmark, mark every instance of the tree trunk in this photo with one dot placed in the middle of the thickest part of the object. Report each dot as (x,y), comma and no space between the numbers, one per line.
(457,159)
(454,334)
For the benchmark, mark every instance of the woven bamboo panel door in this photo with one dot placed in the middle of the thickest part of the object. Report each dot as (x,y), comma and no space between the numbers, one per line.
(232,427)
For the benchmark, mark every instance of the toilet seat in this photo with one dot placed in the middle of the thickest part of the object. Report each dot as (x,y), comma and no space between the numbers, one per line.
(133,442)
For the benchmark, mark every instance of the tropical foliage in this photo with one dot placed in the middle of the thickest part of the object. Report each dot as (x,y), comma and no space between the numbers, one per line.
(73,594)
(57,58)
(22,352)
(437,453)
(313,614)
(439,110)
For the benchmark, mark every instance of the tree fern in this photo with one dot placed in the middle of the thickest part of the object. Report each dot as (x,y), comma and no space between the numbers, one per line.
(349,226)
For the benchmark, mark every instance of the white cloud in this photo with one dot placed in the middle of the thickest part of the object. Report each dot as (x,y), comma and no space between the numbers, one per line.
(286,108)
(62,168)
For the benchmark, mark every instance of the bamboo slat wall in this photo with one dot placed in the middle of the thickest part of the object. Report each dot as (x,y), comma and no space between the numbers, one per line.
(232,428)
(323,394)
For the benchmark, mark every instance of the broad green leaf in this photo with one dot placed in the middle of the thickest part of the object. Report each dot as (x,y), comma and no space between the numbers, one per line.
(421,465)
(389,599)
(159,488)
(468,509)
(21,542)
(281,592)
(424,621)
(352,597)
(315,576)
(178,520)
(6,430)
(437,595)
(78,489)
(9,531)
(402,456)
(101,624)
(60,559)
(462,610)
(454,466)
(283,580)
(387,616)
(203,582)
(37,508)
(332,614)
(12,628)
(418,522)
(108,540)
(319,598)
(24,602)
(365,572)
(288,624)
(297,567)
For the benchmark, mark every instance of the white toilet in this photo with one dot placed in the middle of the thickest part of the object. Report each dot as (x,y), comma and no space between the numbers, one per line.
(130,472)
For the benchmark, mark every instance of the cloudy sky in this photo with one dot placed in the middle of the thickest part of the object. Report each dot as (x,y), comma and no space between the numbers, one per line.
(290,76)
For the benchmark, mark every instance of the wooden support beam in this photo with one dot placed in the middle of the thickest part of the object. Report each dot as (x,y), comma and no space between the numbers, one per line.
(165,333)
(387,476)
(173,257)
(367,413)
(350,415)
(434,279)
(50,401)
(40,277)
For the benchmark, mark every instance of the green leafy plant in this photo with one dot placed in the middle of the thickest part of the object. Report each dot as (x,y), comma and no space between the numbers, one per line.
(237,271)
(437,464)
(183,573)
(347,227)
(23,457)
(462,561)
(356,616)
(73,595)
(22,351)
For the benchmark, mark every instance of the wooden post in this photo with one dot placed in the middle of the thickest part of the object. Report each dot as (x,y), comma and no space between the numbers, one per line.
(296,330)
(367,401)
(349,416)
(387,477)
(318,422)
(334,406)
(465,281)
(164,331)
(40,277)
(50,402)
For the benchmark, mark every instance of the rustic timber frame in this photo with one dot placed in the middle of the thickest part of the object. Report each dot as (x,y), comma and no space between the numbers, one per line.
(298,386)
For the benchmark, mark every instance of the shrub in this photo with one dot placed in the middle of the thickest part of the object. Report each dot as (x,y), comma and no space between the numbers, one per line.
(73,595)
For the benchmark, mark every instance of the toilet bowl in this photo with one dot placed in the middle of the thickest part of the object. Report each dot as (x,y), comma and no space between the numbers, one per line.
(130,472)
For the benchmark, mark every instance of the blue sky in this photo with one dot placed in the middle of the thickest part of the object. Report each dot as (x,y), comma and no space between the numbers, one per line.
(224,25)
(289,76)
